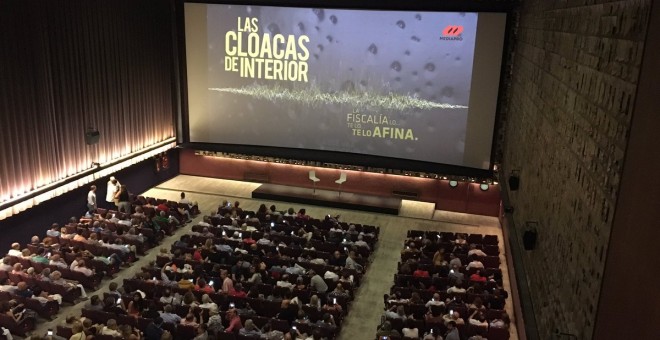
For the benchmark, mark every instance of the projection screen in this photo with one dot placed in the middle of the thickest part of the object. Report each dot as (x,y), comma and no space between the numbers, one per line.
(411,85)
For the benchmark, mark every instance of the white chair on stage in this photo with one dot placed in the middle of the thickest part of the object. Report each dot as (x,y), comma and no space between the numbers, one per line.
(342,179)
(313,178)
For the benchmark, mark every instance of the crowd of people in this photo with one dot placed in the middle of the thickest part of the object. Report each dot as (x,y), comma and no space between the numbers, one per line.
(71,259)
(270,274)
(443,290)
(266,274)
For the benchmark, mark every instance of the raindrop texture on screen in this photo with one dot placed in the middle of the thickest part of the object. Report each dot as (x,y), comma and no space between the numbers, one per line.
(273,28)
(320,13)
(373,49)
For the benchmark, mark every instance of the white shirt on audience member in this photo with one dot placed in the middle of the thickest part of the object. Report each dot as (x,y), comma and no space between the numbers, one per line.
(91,198)
(475,264)
(434,303)
(112,190)
(410,333)
(477,252)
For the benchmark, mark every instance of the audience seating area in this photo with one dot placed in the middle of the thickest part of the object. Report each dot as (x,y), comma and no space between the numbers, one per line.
(240,274)
(445,277)
(72,260)
(287,274)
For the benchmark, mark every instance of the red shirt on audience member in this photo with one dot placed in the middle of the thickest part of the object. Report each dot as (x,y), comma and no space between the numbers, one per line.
(197,255)
(477,278)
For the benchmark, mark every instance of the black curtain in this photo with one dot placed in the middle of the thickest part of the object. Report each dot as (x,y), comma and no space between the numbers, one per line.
(72,64)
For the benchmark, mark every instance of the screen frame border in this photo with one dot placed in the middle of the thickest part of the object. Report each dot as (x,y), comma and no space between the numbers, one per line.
(338,157)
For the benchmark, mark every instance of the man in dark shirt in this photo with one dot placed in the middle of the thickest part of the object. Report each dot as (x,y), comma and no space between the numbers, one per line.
(216,257)
(337,260)
(110,306)
(328,322)
(239,210)
(496,301)
(150,313)
(23,290)
(183,242)
(154,330)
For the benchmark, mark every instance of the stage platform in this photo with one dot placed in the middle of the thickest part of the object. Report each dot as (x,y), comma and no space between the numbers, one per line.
(328,198)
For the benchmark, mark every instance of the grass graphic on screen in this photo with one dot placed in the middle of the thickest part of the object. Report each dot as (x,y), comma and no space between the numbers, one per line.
(314,97)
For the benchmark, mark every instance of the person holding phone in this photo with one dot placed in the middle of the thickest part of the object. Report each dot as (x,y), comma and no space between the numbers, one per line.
(225,209)
(110,305)
(203,286)
(332,306)
(294,333)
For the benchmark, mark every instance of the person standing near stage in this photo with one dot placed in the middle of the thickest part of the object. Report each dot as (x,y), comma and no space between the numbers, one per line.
(123,198)
(91,199)
(113,188)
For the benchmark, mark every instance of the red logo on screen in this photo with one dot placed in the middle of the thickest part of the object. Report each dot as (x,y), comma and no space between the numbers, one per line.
(452,31)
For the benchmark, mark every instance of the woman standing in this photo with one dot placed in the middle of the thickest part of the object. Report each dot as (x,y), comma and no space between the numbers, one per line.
(123,199)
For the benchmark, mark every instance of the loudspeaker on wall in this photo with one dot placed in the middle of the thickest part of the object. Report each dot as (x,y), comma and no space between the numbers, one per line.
(514,182)
(529,239)
(92,137)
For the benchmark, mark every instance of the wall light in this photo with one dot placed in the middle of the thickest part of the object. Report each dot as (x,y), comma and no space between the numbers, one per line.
(484,187)
(453,183)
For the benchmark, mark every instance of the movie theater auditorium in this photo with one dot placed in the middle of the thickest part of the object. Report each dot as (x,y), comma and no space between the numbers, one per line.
(240,169)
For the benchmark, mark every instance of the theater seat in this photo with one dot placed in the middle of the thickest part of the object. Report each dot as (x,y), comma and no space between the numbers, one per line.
(19,328)
(495,333)
(226,336)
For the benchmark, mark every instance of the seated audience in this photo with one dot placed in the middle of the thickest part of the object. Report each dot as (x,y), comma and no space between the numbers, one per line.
(249,329)
(386,330)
